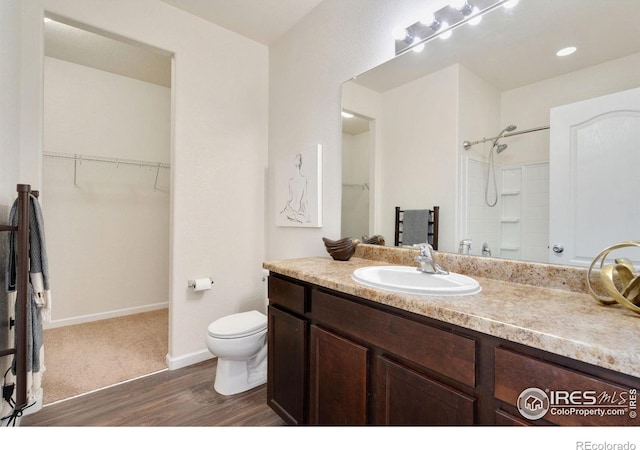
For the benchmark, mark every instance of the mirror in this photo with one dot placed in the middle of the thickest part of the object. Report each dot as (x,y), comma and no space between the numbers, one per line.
(468,89)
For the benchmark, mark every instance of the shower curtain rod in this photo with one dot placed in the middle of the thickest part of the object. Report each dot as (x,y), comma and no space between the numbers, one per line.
(467,145)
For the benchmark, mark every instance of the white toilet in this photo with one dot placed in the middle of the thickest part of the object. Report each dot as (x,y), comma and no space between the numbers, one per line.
(240,343)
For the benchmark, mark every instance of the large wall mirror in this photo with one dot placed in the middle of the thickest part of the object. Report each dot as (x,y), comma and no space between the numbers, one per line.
(474,124)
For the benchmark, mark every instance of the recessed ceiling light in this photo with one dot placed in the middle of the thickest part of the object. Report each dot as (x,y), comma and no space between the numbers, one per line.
(566,51)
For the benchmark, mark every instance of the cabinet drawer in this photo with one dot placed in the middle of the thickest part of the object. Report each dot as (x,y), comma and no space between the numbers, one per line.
(572,398)
(286,294)
(446,353)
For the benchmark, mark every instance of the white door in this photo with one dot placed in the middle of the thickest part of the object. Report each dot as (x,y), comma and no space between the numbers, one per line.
(594,177)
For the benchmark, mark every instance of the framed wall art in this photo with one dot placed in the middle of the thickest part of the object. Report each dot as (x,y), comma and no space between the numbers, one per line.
(298,178)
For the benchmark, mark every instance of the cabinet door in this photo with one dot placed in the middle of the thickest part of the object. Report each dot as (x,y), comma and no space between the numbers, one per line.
(407,397)
(286,365)
(338,380)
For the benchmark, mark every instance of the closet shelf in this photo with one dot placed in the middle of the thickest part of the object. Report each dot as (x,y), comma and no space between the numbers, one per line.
(104,159)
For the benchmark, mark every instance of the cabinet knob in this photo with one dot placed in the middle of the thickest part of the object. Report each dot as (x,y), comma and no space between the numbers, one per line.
(557,248)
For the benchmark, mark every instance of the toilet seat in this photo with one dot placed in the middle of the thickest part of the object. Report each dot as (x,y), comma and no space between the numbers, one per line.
(238,325)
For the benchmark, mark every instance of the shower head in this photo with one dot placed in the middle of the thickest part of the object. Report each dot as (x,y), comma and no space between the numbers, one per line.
(500,148)
(509,128)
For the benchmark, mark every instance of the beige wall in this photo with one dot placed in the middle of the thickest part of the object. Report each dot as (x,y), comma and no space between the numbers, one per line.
(10,70)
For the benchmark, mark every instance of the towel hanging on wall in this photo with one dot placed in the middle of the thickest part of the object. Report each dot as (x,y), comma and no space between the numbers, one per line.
(415,226)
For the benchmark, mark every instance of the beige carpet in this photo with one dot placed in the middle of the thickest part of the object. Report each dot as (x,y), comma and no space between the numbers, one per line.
(85,357)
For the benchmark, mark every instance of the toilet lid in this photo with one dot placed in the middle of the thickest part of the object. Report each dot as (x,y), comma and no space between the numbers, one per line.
(238,325)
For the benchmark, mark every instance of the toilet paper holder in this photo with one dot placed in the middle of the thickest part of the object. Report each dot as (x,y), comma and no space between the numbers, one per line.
(194,283)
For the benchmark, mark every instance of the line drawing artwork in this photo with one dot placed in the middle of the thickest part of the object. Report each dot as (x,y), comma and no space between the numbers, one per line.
(297,205)
(298,189)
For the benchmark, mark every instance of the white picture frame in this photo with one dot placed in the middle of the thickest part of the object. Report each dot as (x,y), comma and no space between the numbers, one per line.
(298,188)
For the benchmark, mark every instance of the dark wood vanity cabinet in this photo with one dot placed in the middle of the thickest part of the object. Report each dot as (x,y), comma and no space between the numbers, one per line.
(335,359)
(362,365)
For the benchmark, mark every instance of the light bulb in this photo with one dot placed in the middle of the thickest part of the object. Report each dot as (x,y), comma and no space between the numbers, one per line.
(430,21)
(445,34)
(399,33)
(418,48)
(458,4)
(477,19)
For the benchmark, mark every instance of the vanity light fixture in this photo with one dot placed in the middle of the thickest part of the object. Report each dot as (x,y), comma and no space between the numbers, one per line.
(566,51)
(444,21)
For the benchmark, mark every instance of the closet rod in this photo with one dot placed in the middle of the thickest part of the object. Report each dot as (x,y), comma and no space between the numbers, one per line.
(130,162)
(468,144)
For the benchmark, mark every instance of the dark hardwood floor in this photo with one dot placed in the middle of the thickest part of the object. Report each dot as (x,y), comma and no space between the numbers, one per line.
(182,397)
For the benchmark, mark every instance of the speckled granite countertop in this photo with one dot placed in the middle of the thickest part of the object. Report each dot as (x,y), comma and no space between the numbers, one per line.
(564,320)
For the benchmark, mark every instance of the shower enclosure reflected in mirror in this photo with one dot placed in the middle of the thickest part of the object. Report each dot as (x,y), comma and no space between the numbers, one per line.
(480,81)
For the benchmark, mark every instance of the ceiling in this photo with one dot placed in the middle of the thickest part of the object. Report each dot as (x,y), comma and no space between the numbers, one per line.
(78,46)
(261,20)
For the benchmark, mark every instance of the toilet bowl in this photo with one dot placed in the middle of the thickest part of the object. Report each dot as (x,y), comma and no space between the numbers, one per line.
(240,343)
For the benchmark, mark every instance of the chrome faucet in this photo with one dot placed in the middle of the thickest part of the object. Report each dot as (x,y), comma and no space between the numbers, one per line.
(427,260)
(486,251)
(465,247)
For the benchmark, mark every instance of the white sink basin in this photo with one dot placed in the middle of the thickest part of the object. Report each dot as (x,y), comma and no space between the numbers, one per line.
(409,280)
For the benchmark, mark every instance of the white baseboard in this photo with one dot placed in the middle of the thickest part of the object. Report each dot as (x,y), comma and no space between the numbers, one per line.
(105,315)
(188,359)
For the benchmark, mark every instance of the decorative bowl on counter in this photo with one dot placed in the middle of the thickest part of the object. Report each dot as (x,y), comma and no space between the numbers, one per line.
(342,249)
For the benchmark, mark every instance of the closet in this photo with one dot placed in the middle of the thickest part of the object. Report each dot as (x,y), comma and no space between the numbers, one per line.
(107,123)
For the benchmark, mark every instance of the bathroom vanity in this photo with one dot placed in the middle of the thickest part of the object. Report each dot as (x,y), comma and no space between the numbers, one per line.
(341,353)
